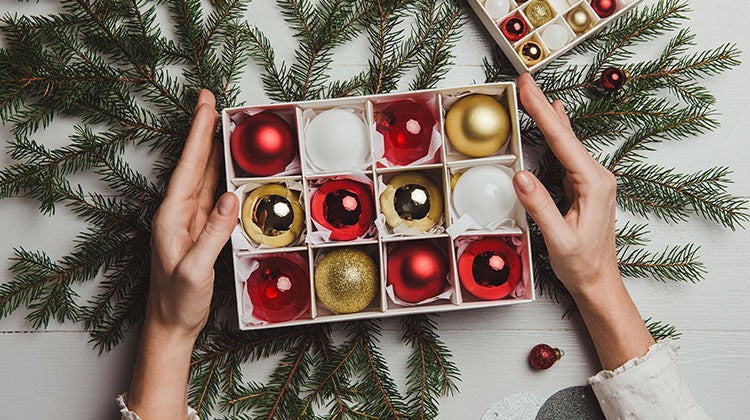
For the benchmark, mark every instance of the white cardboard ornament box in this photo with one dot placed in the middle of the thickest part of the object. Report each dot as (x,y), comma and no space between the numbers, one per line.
(450,235)
(560,9)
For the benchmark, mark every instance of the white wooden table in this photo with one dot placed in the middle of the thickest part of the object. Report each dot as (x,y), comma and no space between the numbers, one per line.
(55,374)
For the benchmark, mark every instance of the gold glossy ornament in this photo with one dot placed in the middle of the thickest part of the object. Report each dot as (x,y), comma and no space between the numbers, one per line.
(412,199)
(579,20)
(477,125)
(272,215)
(531,53)
(346,280)
(539,12)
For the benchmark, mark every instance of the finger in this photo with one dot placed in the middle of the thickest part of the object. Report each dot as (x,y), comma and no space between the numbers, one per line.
(188,174)
(205,97)
(540,206)
(563,143)
(215,234)
(560,109)
(210,181)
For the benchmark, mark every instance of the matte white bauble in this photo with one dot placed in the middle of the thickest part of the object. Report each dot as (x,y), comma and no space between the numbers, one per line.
(497,8)
(336,140)
(555,36)
(486,194)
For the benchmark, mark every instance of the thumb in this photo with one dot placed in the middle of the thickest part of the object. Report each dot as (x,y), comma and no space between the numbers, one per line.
(540,206)
(215,233)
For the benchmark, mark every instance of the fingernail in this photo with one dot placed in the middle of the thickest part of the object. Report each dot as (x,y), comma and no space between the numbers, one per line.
(225,205)
(524,182)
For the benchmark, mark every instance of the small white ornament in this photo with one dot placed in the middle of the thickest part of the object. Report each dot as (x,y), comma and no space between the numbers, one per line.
(486,194)
(555,36)
(497,8)
(336,139)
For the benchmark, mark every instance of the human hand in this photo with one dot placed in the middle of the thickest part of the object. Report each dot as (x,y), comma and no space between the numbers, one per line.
(581,243)
(187,234)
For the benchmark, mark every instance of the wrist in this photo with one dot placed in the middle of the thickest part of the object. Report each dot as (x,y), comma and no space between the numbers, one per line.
(603,288)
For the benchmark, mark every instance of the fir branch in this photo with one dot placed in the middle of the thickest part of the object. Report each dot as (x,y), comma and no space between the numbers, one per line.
(677,263)
(432,373)
(660,330)
(631,234)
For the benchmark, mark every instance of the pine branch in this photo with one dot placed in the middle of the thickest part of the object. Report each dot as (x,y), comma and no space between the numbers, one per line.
(677,263)
(660,330)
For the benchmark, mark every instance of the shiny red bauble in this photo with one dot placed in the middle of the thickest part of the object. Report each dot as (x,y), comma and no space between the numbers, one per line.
(263,144)
(514,28)
(604,8)
(279,289)
(417,270)
(543,356)
(613,79)
(345,207)
(489,268)
(406,127)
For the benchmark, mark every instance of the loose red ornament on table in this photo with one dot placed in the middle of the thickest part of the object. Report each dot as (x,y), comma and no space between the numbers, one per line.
(417,270)
(514,28)
(406,127)
(613,79)
(543,356)
(345,207)
(279,289)
(489,268)
(263,144)
(604,8)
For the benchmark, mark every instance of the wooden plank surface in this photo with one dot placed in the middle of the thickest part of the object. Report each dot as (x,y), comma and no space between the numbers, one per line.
(55,374)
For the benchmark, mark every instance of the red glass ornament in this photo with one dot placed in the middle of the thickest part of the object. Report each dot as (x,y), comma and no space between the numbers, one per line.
(543,356)
(604,8)
(489,268)
(613,79)
(417,270)
(345,207)
(514,28)
(263,144)
(279,289)
(407,130)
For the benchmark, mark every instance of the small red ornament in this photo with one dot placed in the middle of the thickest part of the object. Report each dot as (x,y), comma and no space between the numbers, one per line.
(543,356)
(279,289)
(263,144)
(604,8)
(613,79)
(407,130)
(417,270)
(489,268)
(345,207)
(514,28)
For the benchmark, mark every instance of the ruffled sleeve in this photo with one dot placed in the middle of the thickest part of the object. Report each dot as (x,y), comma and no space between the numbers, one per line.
(126,414)
(647,387)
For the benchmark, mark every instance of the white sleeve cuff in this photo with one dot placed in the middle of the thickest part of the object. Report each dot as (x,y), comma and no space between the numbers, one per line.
(126,414)
(647,387)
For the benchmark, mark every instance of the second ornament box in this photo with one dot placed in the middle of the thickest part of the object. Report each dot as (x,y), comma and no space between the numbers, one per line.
(377,206)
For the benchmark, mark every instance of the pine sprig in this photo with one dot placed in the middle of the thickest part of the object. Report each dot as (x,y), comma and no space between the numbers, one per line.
(677,263)
(660,330)
(432,373)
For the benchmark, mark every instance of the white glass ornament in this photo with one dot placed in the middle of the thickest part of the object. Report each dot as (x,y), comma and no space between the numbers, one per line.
(336,139)
(486,194)
(555,36)
(497,8)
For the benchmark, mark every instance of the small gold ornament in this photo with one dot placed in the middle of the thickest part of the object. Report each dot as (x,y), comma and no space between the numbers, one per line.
(477,125)
(272,215)
(346,280)
(412,199)
(531,53)
(579,20)
(539,12)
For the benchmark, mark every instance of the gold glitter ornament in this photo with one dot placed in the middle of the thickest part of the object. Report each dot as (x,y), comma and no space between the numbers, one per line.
(412,199)
(346,280)
(531,53)
(579,20)
(272,215)
(539,12)
(477,125)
